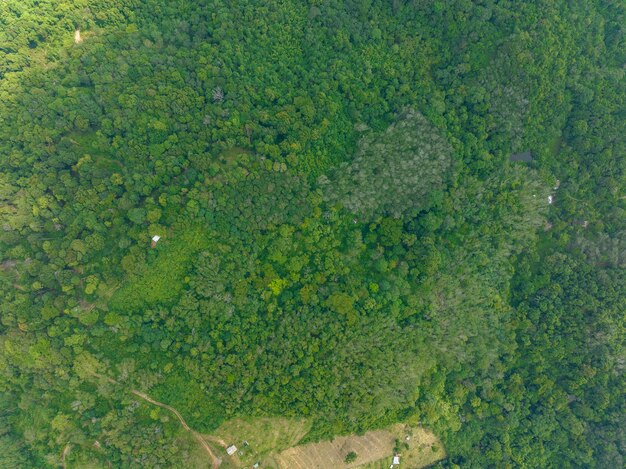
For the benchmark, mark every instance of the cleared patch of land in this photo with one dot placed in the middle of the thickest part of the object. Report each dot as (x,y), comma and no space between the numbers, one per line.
(420,450)
(370,447)
(257,438)
(416,447)
(273,443)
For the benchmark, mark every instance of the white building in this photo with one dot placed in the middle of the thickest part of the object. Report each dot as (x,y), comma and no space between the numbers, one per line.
(232,449)
(155,240)
(396,460)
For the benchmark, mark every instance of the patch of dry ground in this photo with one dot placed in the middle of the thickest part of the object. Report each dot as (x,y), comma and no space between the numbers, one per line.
(423,449)
(374,450)
(370,447)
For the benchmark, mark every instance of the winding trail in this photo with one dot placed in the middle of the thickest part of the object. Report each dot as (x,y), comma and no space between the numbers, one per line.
(66,451)
(217,440)
(223,444)
(215,461)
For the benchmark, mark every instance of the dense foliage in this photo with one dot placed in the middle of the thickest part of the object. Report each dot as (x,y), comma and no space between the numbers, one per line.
(343,237)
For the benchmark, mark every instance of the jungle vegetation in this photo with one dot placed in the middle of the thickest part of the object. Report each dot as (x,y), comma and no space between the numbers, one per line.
(343,236)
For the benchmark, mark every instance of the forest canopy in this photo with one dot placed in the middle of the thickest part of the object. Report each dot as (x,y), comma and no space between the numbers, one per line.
(342,237)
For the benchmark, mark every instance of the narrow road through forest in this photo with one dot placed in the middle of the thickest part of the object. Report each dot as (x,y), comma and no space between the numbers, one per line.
(215,461)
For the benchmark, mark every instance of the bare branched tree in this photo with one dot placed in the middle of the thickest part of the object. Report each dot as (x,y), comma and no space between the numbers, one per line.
(218,94)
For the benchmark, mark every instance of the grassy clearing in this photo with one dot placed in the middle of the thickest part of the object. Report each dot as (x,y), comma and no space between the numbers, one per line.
(273,443)
(96,146)
(264,436)
(229,157)
(162,279)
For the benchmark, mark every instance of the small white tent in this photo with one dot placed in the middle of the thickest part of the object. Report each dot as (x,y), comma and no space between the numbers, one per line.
(155,240)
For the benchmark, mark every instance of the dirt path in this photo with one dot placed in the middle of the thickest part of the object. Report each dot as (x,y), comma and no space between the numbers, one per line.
(66,451)
(217,440)
(223,444)
(215,461)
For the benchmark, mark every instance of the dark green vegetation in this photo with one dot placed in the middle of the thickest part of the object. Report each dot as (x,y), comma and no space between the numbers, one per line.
(343,236)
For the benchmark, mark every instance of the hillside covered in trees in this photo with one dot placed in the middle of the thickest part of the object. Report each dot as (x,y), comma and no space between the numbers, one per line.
(343,236)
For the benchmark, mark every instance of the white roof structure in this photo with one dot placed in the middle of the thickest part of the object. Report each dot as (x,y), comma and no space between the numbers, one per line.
(396,460)
(156,238)
(550,199)
(232,449)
